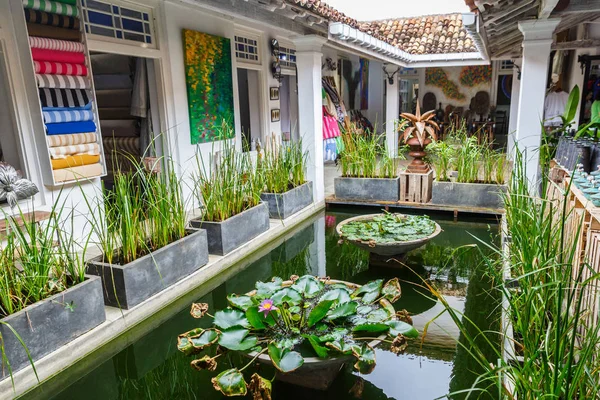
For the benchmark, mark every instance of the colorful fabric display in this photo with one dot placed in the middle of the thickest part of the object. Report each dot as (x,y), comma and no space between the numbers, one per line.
(114,81)
(57,56)
(62,81)
(57,99)
(63,151)
(53,32)
(77,173)
(52,117)
(53,44)
(75,161)
(119,128)
(71,127)
(330,149)
(331,129)
(44,18)
(121,145)
(71,139)
(57,68)
(52,7)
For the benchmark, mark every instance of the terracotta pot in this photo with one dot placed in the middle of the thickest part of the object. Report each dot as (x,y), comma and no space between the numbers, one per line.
(417,152)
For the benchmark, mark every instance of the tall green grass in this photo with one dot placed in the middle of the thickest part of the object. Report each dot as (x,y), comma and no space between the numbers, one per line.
(282,165)
(364,156)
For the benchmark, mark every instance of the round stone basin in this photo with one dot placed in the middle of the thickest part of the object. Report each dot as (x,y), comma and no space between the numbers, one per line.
(386,249)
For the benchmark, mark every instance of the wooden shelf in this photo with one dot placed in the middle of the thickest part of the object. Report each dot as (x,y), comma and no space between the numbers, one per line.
(36,216)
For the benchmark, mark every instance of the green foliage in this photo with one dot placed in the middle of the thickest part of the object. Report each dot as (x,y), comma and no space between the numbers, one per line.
(230,382)
(282,166)
(364,156)
(389,228)
(440,154)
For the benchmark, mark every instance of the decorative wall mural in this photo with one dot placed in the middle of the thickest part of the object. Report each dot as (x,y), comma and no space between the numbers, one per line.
(475,75)
(209,85)
(437,77)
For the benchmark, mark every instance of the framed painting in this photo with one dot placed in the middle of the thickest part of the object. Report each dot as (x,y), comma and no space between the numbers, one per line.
(208,75)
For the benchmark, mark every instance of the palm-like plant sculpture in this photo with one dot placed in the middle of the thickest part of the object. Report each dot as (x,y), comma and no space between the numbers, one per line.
(417,132)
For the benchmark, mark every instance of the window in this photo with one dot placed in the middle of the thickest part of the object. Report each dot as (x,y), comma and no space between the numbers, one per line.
(506,65)
(287,57)
(112,20)
(246,49)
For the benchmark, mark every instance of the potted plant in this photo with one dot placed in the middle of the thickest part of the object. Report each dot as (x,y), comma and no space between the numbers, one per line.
(46,299)
(229,192)
(417,132)
(142,231)
(306,327)
(388,234)
(283,169)
(368,172)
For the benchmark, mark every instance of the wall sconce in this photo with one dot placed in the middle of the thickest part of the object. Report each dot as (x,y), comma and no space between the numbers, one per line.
(390,77)
(518,71)
(275,65)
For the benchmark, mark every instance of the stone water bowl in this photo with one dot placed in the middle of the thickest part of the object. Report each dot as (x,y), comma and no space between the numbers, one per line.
(386,249)
(319,373)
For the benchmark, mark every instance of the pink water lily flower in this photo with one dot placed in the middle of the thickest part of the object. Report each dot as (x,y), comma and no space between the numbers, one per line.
(266,306)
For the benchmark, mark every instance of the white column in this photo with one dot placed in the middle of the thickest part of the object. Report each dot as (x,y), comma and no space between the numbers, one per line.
(392,105)
(534,73)
(514,110)
(310,112)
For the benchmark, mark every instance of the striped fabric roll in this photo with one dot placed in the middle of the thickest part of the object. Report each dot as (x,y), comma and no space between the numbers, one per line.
(57,68)
(52,7)
(52,117)
(64,98)
(54,44)
(75,161)
(63,151)
(72,139)
(72,2)
(70,127)
(53,32)
(44,18)
(62,81)
(121,145)
(77,173)
(57,56)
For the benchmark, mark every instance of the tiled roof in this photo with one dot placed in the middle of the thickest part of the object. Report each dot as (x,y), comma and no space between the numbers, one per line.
(430,34)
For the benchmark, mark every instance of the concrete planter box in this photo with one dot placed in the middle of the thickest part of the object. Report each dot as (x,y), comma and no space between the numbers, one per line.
(48,324)
(283,205)
(126,286)
(228,235)
(367,189)
(468,194)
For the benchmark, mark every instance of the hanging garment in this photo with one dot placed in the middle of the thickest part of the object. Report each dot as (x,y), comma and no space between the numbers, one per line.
(329,149)
(57,56)
(77,173)
(58,68)
(51,117)
(71,139)
(71,127)
(53,32)
(52,7)
(59,99)
(54,44)
(75,161)
(62,81)
(63,151)
(139,97)
(554,106)
(44,18)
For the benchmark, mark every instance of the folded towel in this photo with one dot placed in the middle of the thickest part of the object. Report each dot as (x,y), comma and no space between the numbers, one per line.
(71,127)
(78,149)
(75,161)
(64,98)
(53,32)
(114,81)
(59,68)
(57,56)
(77,173)
(52,7)
(52,117)
(44,18)
(71,139)
(62,81)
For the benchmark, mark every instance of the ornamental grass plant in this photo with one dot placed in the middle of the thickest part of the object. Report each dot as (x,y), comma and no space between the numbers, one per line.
(364,156)
(282,165)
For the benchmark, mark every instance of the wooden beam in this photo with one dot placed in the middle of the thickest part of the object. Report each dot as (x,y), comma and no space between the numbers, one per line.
(576,44)
(546,8)
(580,6)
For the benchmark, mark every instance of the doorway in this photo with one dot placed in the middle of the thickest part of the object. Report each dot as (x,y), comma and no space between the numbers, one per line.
(248,91)
(288,95)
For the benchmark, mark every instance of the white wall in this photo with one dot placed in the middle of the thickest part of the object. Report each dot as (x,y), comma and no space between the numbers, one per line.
(376,112)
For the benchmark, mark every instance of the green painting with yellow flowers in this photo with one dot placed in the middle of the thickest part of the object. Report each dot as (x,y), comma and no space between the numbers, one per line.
(209,85)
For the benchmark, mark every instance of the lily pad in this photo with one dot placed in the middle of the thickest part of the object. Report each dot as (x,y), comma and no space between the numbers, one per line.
(371,327)
(340,295)
(342,310)
(309,286)
(340,345)
(237,339)
(266,289)
(205,339)
(285,360)
(365,356)
(322,351)
(399,327)
(230,382)
(378,315)
(286,295)
(319,312)
(229,317)
(391,290)
(370,291)
(242,302)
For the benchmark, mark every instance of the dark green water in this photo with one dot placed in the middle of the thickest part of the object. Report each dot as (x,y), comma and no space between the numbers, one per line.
(143,363)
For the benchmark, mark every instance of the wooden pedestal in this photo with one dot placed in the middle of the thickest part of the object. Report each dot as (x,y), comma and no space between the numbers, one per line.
(416,188)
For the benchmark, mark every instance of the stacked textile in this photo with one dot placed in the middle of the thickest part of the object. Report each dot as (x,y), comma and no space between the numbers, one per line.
(61,72)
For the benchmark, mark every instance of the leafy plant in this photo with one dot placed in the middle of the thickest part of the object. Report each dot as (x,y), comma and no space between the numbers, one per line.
(325,318)
(365,157)
(389,228)
(441,156)
(283,166)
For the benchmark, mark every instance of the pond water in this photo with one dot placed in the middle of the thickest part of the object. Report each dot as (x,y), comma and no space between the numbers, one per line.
(143,363)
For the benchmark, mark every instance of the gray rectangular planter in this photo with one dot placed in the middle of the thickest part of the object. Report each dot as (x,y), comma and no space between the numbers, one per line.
(468,194)
(49,324)
(283,205)
(367,189)
(126,286)
(228,235)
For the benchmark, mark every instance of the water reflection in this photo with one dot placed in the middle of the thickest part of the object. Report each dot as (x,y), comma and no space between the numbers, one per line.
(144,363)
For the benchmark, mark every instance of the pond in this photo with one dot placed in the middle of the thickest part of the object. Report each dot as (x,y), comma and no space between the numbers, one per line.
(143,363)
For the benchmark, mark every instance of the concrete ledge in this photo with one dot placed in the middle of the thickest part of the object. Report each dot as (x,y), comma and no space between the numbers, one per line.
(468,194)
(367,189)
(118,322)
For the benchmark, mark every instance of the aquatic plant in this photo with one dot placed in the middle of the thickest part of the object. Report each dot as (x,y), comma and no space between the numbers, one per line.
(305,316)
(283,166)
(441,155)
(364,156)
(389,228)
